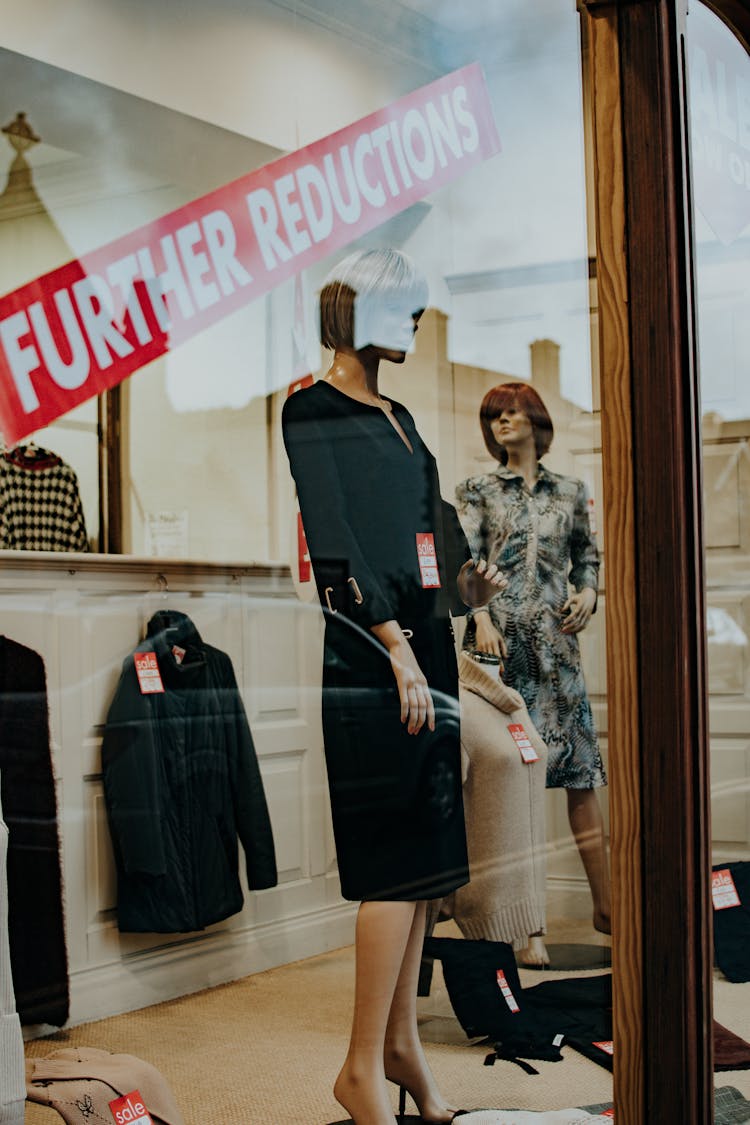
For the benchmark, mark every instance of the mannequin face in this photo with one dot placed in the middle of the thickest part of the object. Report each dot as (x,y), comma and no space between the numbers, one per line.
(512,429)
(385,323)
(398,355)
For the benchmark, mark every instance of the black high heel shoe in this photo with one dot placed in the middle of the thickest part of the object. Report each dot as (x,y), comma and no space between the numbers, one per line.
(409,1119)
(403,1119)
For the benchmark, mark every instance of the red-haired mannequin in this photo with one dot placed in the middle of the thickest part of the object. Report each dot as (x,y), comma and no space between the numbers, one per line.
(535,525)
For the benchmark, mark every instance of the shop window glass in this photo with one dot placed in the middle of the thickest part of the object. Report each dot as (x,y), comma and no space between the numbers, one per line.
(719,82)
(184,475)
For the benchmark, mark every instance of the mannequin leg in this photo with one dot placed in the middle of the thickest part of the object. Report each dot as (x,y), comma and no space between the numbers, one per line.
(405,1062)
(382,935)
(535,955)
(587,825)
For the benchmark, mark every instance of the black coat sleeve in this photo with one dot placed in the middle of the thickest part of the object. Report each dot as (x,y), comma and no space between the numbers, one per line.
(131,778)
(250,807)
(334,550)
(457,553)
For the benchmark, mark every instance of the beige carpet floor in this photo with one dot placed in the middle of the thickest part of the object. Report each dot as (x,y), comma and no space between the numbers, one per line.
(265,1050)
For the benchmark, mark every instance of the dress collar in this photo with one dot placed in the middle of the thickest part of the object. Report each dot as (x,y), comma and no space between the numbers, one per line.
(168,629)
(543,475)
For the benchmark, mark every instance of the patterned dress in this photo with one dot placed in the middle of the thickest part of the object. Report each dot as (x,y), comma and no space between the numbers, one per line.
(542,540)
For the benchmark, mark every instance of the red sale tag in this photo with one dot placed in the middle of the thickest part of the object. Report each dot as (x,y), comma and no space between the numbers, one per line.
(427,555)
(521,739)
(607,1046)
(130,1110)
(592,514)
(303,553)
(147,670)
(299,384)
(510,999)
(723,890)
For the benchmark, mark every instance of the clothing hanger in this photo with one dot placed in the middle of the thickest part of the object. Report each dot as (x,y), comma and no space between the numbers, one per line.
(164,587)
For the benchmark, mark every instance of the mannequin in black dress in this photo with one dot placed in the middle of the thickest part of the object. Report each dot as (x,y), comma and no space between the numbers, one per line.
(391,563)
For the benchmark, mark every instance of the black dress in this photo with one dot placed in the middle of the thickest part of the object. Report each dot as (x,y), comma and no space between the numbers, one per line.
(371,509)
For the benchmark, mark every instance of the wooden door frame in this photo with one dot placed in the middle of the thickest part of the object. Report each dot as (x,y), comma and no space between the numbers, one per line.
(660,797)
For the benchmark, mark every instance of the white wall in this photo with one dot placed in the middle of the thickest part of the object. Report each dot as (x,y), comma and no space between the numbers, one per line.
(226,63)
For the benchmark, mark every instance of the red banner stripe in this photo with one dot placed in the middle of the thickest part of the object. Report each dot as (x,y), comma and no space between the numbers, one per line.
(84,327)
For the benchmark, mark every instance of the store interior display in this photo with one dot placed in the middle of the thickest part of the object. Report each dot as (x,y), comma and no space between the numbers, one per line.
(181,783)
(151,785)
(38,951)
(40,502)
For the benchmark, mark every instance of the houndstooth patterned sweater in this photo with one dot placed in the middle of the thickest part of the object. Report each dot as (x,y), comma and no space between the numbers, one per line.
(40,505)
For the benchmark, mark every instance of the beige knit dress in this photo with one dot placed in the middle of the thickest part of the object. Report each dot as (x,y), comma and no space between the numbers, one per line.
(504,806)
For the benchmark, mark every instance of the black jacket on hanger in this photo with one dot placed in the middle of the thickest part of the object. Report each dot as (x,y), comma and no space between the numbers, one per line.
(36,929)
(181,782)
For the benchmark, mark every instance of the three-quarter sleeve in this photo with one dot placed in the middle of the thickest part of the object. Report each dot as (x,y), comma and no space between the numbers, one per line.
(335,553)
(584,553)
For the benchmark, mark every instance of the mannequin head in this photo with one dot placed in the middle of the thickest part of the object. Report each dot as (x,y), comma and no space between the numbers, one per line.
(371,298)
(520,399)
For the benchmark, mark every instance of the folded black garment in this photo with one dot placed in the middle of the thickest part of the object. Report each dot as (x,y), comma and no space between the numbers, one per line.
(732,923)
(580,1008)
(486,995)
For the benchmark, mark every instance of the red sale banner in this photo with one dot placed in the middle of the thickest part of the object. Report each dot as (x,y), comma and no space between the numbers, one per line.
(86,326)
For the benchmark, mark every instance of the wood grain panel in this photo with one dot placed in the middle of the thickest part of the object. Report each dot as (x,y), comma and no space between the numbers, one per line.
(600,32)
(669,609)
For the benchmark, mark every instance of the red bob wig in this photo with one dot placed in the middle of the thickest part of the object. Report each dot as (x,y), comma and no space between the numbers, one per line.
(524,399)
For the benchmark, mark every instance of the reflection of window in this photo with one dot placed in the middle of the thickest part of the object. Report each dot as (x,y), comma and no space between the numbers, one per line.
(722,629)
(31,243)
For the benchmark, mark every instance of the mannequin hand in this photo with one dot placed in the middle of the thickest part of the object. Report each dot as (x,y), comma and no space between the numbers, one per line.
(417,707)
(578,608)
(489,638)
(478,583)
